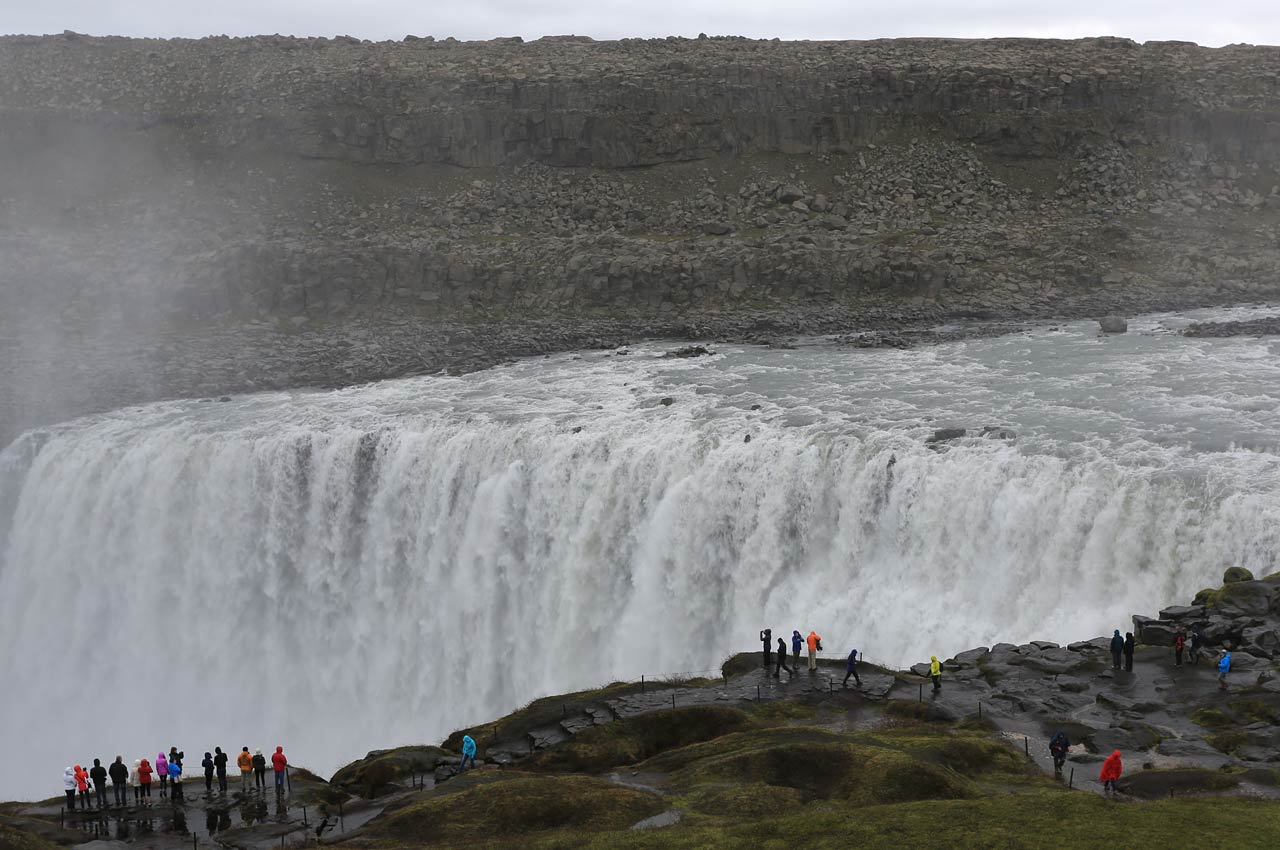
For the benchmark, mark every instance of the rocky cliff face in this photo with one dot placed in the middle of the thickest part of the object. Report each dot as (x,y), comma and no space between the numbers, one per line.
(661,181)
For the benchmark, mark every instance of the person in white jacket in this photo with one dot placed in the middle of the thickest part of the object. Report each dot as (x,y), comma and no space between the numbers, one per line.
(135,779)
(69,786)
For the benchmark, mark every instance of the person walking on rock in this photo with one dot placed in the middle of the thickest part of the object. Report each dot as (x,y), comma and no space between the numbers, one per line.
(279,764)
(766,638)
(782,661)
(468,753)
(1224,667)
(69,787)
(935,672)
(1111,770)
(1117,648)
(98,774)
(1128,652)
(162,771)
(1179,643)
(260,771)
(145,771)
(851,669)
(220,768)
(796,642)
(815,646)
(207,764)
(244,761)
(119,780)
(1059,746)
(1197,643)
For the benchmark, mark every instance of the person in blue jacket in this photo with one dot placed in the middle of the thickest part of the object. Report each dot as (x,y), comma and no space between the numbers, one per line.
(1117,648)
(1224,667)
(175,779)
(796,643)
(468,752)
(852,670)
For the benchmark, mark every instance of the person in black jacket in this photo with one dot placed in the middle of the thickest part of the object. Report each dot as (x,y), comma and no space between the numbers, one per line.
(207,764)
(98,774)
(220,765)
(1059,746)
(119,780)
(782,661)
(259,770)
(1117,647)
(1128,652)
(766,638)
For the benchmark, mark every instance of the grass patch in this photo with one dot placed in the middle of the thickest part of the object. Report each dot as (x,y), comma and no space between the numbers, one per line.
(1211,718)
(516,807)
(16,839)
(1254,710)
(1227,742)
(540,713)
(1157,784)
(752,800)
(642,737)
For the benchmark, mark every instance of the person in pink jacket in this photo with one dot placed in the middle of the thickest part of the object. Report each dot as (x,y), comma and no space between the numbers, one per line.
(162,771)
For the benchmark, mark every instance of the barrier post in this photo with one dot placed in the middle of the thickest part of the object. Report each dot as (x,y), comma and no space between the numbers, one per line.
(641,683)
(1071,781)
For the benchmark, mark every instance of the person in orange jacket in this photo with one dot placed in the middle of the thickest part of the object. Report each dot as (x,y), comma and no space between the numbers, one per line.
(815,646)
(244,761)
(1111,770)
(82,785)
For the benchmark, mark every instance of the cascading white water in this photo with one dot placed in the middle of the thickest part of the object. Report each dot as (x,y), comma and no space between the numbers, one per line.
(341,571)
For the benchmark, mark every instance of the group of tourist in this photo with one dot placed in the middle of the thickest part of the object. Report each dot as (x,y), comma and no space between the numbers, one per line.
(814,644)
(167,773)
(1122,647)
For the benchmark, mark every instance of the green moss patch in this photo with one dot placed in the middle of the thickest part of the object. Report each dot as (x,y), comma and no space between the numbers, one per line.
(638,738)
(516,807)
(1211,718)
(379,772)
(1157,784)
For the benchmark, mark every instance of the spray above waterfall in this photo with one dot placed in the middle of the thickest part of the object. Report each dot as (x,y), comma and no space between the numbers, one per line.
(347,570)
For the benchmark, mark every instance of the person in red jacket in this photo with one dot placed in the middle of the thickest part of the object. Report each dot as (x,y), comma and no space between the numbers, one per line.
(279,764)
(1111,770)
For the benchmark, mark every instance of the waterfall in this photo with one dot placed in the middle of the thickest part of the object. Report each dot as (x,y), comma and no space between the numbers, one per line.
(336,572)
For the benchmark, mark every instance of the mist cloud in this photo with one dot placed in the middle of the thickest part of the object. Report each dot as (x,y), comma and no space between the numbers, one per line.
(1214,24)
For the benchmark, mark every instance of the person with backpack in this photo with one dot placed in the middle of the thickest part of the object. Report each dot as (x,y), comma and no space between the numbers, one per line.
(766,638)
(1128,652)
(98,774)
(815,646)
(935,672)
(207,764)
(851,669)
(1059,746)
(468,752)
(1117,648)
(1179,643)
(1197,643)
(796,642)
(175,778)
(782,661)
(220,768)
(82,785)
(1111,770)
(119,780)
(244,761)
(260,770)
(279,764)
(1224,667)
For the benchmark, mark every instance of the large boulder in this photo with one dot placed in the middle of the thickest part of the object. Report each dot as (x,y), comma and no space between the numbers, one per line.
(1235,574)
(1245,599)
(1261,640)
(1183,612)
(1113,325)
(383,771)
(1154,632)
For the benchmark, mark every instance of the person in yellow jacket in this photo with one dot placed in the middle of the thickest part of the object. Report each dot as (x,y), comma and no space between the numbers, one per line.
(935,671)
(815,646)
(244,761)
